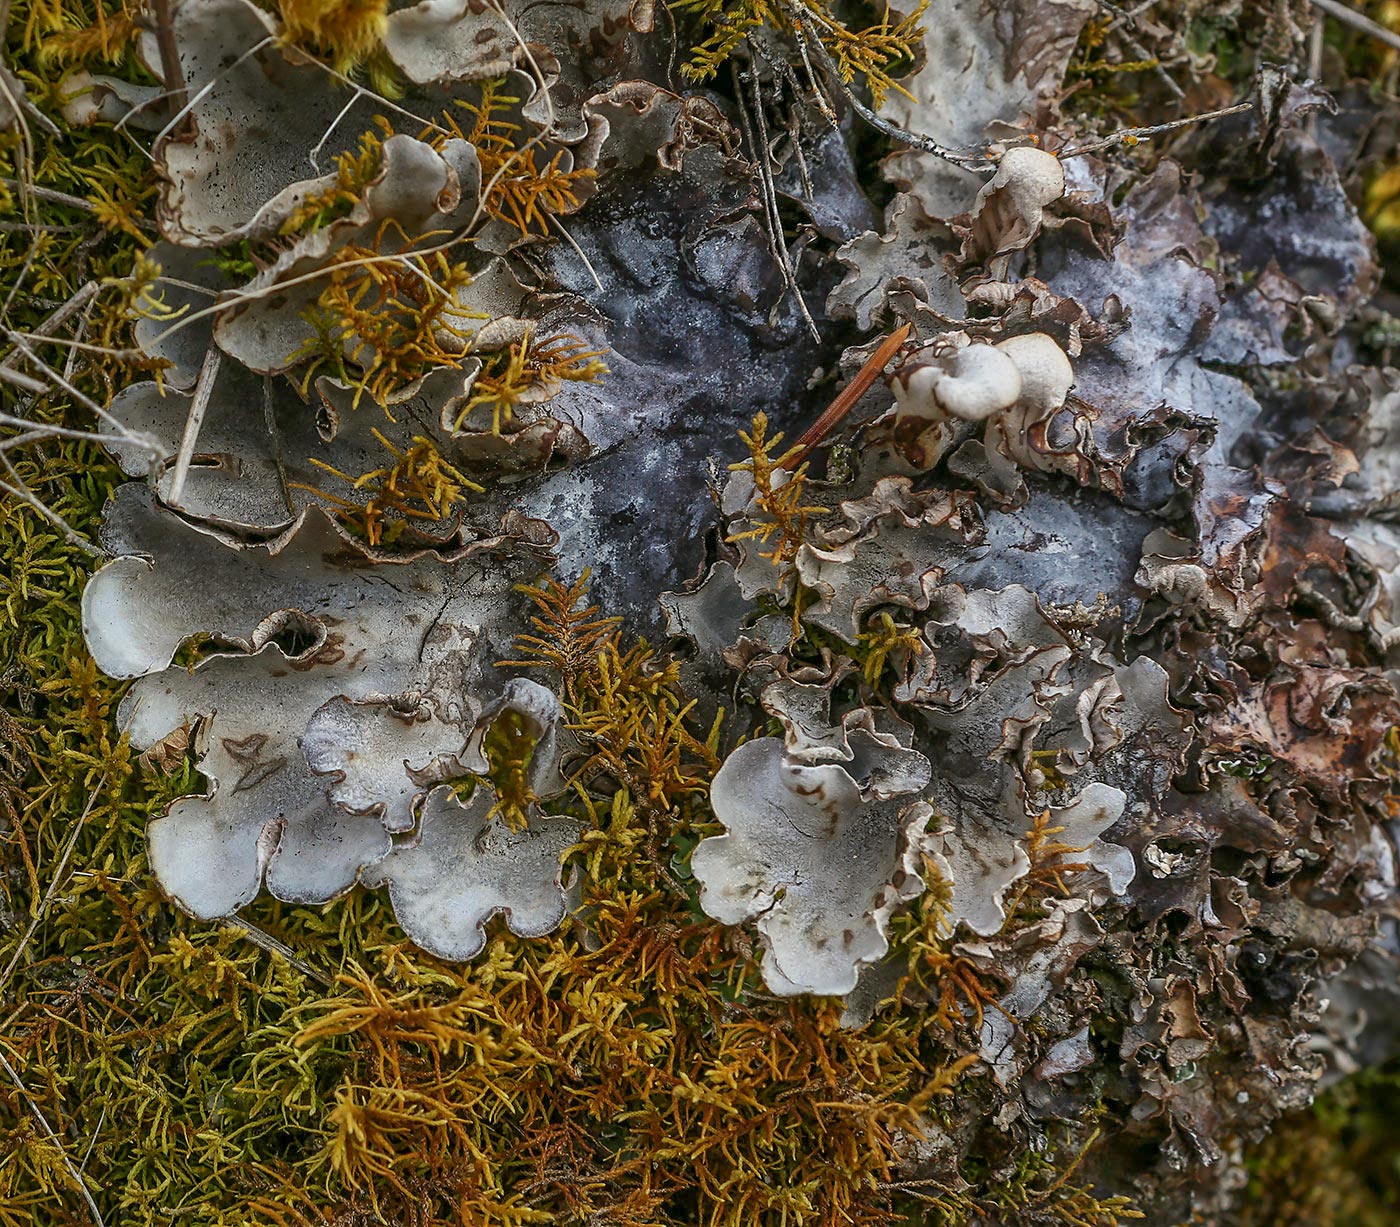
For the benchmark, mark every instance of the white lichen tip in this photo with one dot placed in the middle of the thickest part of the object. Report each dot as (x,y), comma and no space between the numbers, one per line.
(465,865)
(1045,371)
(967,381)
(1032,178)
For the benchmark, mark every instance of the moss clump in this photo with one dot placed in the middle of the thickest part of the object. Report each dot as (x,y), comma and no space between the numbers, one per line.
(872,55)
(633,1074)
(419,485)
(518,190)
(527,371)
(347,32)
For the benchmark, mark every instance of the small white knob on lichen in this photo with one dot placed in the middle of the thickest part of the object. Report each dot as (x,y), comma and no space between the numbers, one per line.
(1046,374)
(1010,209)
(1031,177)
(971,382)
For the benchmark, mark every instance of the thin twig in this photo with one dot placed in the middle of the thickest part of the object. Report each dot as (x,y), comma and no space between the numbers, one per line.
(1357,21)
(1131,136)
(578,251)
(57,318)
(37,228)
(803,174)
(170,69)
(1316,46)
(269,943)
(1135,13)
(1136,47)
(824,103)
(27,382)
(21,105)
(10,442)
(80,337)
(186,111)
(314,157)
(81,397)
(53,197)
(772,217)
(107,351)
(22,492)
(194,419)
(54,883)
(44,430)
(969,160)
(92,1141)
(852,392)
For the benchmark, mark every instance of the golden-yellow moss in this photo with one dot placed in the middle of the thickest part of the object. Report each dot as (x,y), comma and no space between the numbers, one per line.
(531,368)
(517,188)
(419,485)
(347,32)
(872,55)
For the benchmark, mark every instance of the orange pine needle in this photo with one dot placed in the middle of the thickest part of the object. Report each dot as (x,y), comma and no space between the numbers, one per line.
(852,392)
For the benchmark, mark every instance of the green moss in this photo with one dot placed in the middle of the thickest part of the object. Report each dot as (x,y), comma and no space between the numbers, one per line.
(1337,1164)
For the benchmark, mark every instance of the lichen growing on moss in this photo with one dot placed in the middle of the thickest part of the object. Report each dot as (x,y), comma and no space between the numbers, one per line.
(1143,680)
